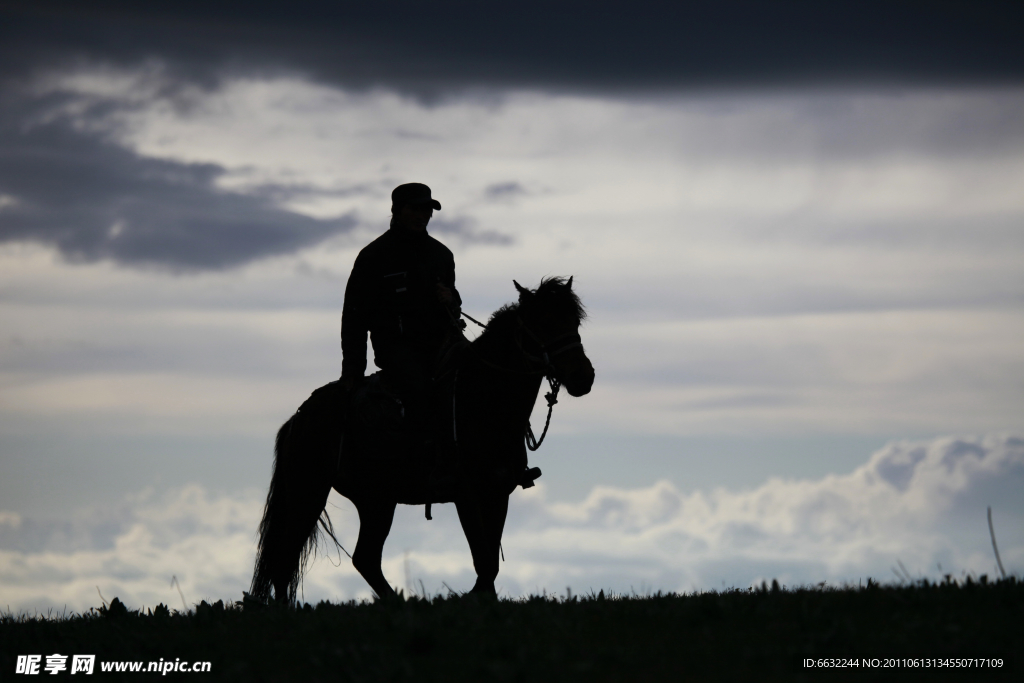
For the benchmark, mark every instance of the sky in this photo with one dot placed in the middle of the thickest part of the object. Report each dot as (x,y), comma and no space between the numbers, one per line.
(797,229)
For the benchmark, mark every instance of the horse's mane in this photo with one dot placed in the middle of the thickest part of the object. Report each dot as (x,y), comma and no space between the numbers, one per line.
(554,295)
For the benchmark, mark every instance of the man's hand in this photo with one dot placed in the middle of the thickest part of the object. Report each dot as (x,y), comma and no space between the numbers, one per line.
(444,295)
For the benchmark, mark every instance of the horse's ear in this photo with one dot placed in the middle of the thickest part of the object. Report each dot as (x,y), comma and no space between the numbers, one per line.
(524,293)
(569,283)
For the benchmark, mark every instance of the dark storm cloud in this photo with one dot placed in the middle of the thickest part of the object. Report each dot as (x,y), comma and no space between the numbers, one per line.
(430,47)
(95,200)
(70,187)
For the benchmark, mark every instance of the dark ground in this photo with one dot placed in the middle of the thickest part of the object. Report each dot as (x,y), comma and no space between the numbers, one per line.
(752,635)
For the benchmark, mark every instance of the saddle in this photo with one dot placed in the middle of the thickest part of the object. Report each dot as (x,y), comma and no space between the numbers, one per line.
(377,444)
(379,448)
(376,409)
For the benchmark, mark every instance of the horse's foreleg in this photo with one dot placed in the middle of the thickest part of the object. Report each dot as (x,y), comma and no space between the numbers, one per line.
(375,518)
(482,515)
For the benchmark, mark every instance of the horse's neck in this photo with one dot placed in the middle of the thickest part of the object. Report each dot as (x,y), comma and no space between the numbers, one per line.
(506,383)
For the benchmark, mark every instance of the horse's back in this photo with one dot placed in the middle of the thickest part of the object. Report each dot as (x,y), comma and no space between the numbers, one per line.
(319,421)
(331,397)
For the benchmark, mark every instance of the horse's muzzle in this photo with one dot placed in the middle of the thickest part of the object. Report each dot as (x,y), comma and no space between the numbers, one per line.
(580,381)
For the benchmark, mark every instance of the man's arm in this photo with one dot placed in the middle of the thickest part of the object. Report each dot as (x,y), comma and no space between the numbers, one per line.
(456,297)
(355,323)
(449,295)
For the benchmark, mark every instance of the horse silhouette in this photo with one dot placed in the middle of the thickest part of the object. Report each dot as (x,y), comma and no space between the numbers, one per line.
(488,395)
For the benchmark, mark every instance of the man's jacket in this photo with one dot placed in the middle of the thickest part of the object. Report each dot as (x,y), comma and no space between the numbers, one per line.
(392,294)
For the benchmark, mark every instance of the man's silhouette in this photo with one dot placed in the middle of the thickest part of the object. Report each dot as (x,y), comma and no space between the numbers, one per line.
(398,291)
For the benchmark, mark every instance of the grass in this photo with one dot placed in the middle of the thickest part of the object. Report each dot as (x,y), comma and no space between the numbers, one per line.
(761,634)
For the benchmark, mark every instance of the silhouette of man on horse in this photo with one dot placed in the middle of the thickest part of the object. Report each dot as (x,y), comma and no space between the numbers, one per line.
(402,292)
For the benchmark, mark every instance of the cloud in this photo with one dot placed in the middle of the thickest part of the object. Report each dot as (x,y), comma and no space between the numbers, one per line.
(463,228)
(108,163)
(921,503)
(429,49)
(503,191)
(133,549)
(64,184)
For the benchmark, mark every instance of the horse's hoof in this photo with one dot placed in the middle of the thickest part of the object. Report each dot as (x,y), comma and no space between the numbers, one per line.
(484,590)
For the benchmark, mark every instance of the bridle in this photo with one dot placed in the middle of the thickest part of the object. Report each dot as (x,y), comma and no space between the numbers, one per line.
(551,348)
(548,350)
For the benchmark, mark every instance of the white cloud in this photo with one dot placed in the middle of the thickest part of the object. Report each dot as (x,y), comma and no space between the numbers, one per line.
(131,551)
(921,503)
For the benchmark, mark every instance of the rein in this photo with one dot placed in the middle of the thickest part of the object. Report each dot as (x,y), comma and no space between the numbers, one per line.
(532,442)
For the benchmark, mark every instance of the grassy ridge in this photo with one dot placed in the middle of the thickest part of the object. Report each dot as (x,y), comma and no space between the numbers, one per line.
(757,634)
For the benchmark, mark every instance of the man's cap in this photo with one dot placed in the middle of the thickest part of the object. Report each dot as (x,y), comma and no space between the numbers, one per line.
(413,194)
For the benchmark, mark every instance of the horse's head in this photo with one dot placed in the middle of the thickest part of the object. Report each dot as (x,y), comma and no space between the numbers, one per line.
(552,315)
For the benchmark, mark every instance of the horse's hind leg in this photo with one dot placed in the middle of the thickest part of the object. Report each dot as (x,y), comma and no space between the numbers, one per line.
(375,518)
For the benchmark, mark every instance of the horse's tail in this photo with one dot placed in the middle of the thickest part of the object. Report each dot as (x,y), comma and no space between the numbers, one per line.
(294,513)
